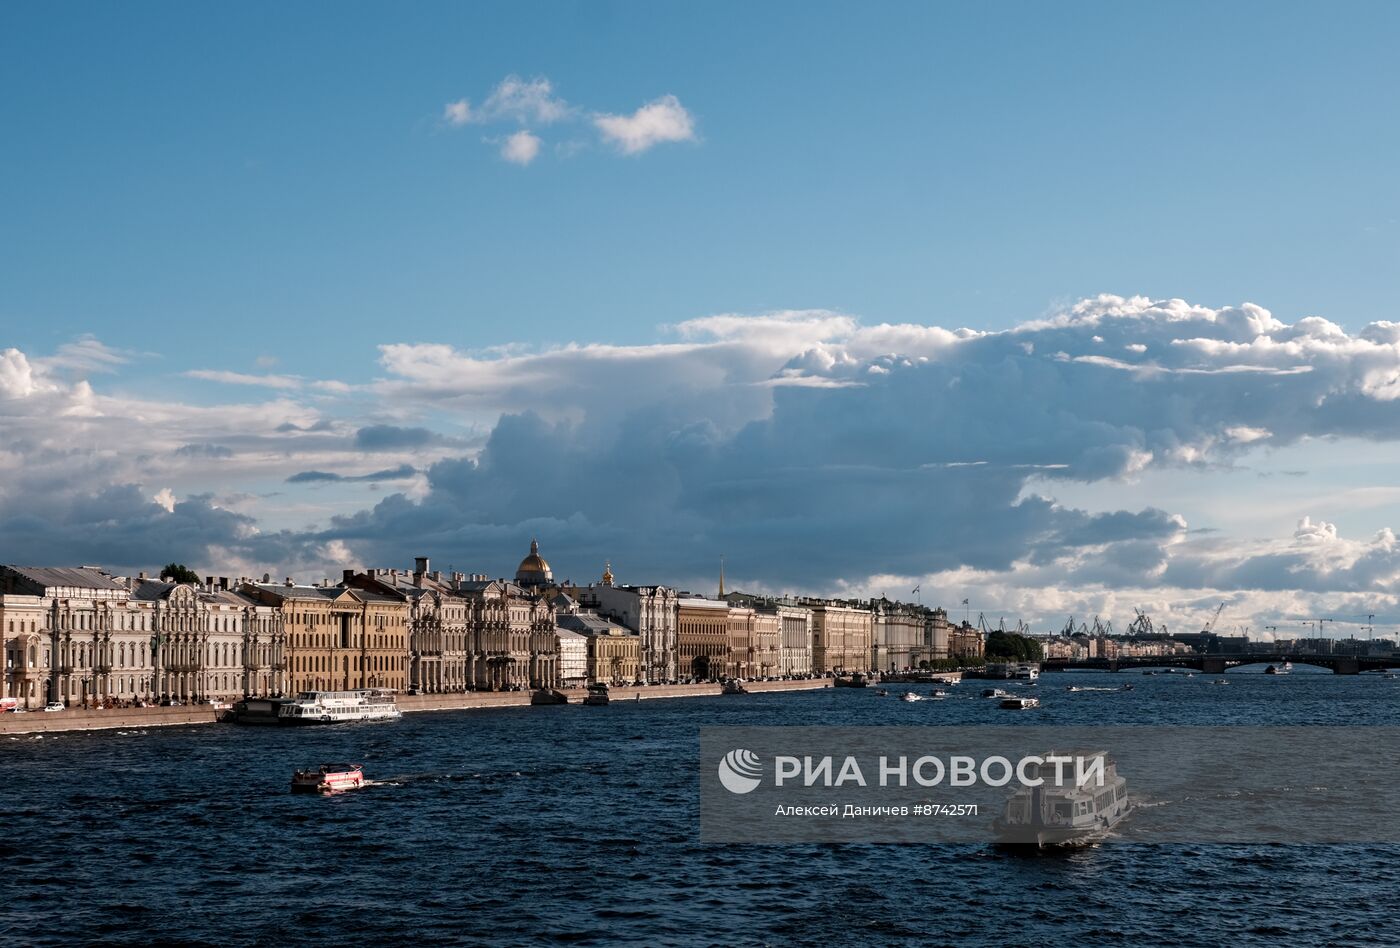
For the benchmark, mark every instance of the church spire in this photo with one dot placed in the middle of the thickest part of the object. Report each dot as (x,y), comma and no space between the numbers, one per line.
(721,576)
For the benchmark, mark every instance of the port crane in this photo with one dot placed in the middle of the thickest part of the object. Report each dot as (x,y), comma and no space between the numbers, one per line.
(1211,624)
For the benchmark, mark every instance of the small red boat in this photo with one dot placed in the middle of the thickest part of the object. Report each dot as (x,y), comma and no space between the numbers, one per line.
(328,778)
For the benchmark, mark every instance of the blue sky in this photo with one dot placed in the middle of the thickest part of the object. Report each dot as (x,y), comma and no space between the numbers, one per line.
(266,190)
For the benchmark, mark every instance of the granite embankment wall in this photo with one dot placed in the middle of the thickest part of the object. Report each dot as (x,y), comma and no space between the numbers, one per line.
(508,699)
(78,720)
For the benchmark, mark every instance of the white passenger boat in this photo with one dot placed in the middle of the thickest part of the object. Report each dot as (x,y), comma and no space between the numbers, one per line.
(1019,704)
(328,778)
(995,693)
(910,696)
(1065,812)
(338,707)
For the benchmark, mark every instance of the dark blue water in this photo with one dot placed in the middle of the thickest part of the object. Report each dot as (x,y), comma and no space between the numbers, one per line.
(579,825)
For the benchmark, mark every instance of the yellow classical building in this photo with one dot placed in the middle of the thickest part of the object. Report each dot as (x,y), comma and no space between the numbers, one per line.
(702,637)
(339,638)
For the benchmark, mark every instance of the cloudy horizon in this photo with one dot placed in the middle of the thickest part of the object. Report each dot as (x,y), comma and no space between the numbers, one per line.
(1020,469)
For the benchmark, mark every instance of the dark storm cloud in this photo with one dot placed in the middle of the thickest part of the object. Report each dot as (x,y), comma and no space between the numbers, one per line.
(393,438)
(400,473)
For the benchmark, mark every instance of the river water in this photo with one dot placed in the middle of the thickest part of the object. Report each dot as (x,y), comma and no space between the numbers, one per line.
(579,825)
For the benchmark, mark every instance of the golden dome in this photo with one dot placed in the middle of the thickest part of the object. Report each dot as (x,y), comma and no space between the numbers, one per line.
(534,571)
(607,574)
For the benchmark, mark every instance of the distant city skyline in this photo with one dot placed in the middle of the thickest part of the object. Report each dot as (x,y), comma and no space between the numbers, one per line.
(1055,310)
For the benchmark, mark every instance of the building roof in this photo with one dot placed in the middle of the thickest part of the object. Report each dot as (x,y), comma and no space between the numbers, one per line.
(283,591)
(700,602)
(150,590)
(83,577)
(590,623)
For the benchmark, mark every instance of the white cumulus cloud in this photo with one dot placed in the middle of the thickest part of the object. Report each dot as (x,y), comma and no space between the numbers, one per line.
(659,121)
(457,113)
(520,148)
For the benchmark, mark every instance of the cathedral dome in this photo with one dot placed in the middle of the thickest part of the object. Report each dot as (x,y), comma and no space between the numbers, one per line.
(534,571)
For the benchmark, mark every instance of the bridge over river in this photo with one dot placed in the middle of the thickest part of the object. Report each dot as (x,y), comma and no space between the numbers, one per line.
(1215,664)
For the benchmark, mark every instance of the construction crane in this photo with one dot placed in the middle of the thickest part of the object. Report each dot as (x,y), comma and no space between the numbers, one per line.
(1141,624)
(1211,624)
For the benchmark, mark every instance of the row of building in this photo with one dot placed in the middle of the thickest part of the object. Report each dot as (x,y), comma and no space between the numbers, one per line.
(83,636)
(1080,647)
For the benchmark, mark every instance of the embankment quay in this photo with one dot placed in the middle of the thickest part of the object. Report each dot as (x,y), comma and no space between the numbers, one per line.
(1219,663)
(125,718)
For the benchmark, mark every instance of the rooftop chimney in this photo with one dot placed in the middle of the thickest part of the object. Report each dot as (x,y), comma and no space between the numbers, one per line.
(420,565)
(289,581)
(346,575)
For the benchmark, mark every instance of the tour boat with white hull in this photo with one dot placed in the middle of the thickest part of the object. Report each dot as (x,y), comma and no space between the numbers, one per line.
(328,778)
(339,707)
(1076,810)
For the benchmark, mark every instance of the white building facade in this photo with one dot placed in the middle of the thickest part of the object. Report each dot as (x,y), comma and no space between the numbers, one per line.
(649,611)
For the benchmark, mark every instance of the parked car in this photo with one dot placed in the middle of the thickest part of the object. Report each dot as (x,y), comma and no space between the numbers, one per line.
(55,706)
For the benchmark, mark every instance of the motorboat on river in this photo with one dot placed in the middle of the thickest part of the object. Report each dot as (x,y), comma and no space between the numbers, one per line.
(1073,806)
(597,695)
(995,693)
(548,696)
(339,707)
(328,778)
(1019,704)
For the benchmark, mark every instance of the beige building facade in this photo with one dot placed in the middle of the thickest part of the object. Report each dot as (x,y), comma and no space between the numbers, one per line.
(841,636)
(339,638)
(440,642)
(702,637)
(898,640)
(86,638)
